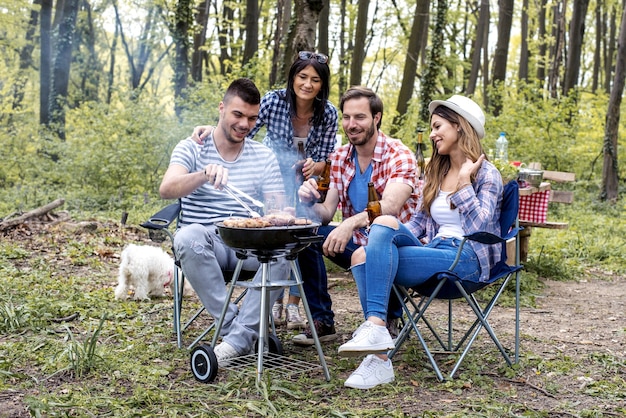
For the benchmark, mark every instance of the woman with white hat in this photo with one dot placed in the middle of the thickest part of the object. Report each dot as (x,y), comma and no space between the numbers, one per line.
(462,194)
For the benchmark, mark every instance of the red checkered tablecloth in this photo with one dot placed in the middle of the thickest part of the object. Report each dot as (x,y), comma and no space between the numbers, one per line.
(534,207)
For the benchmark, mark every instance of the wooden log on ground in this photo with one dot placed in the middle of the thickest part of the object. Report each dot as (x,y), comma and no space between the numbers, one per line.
(6,224)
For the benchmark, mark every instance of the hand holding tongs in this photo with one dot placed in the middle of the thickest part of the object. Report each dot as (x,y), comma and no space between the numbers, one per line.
(233,191)
(254,201)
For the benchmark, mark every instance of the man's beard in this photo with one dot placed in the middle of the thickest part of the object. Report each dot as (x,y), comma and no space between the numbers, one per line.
(368,134)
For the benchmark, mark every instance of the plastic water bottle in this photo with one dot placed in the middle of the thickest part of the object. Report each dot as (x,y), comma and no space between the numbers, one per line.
(502,148)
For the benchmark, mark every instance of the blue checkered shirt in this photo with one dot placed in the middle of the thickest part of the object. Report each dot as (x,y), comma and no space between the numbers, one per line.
(275,115)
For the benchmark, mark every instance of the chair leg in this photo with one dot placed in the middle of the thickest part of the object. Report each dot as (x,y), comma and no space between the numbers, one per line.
(177,306)
(481,321)
(412,319)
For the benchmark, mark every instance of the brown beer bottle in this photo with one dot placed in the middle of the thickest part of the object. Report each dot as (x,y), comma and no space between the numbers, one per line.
(323,182)
(373,204)
(419,154)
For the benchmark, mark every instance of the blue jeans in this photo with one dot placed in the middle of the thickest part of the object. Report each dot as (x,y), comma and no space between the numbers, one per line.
(397,256)
(315,279)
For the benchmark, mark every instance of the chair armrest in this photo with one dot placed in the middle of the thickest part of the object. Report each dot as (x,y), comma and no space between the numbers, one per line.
(482,237)
(485,238)
(163,218)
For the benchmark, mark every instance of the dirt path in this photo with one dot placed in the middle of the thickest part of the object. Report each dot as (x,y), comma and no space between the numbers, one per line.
(573,343)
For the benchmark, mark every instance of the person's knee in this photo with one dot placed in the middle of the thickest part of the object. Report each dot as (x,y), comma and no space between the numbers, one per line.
(190,237)
(358,256)
(387,220)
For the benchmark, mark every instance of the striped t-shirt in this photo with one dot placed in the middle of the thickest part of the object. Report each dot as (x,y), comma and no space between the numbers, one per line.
(255,171)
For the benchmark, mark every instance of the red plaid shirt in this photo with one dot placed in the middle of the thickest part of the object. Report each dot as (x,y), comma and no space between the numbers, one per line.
(393,162)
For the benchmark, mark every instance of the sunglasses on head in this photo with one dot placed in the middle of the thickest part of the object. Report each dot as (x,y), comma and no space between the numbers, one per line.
(307,55)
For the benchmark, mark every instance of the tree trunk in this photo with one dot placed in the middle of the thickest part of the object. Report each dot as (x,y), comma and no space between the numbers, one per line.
(543,45)
(303,34)
(610,170)
(61,67)
(610,53)
(358,52)
(574,49)
(111,76)
(482,37)
(524,54)
(199,39)
(435,61)
(416,43)
(343,58)
(283,16)
(501,54)
(597,52)
(322,29)
(556,52)
(26,57)
(307,16)
(224,35)
(91,70)
(252,31)
(45,61)
(183,20)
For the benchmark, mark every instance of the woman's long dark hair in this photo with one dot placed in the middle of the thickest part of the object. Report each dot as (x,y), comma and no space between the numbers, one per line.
(319,104)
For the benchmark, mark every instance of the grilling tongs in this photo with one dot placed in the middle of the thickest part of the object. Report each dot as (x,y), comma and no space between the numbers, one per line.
(234,192)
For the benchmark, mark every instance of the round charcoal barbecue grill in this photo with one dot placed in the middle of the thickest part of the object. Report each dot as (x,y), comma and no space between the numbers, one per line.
(266,244)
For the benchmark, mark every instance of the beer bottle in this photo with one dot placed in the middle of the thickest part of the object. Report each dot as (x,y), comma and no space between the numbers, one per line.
(373,204)
(419,154)
(300,164)
(323,182)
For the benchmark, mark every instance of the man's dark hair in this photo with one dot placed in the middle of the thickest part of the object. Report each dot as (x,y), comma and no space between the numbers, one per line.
(245,89)
(356,92)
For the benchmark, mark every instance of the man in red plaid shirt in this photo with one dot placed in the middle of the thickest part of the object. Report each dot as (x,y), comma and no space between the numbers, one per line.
(369,156)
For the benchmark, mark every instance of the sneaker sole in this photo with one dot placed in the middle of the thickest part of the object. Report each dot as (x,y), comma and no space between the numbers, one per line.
(355,386)
(295,325)
(323,339)
(359,351)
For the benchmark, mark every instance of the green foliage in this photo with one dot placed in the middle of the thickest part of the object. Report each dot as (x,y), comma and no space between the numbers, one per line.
(84,357)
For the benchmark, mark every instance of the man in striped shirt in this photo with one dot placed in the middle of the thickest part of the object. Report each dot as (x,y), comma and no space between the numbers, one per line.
(370,156)
(195,175)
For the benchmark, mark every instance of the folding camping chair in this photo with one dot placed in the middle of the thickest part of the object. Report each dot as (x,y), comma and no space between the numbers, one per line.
(447,285)
(161,222)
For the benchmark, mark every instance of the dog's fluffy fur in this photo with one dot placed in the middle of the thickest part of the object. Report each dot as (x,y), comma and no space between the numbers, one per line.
(147,270)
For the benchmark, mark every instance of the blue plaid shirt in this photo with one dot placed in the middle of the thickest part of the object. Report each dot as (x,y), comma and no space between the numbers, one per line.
(276,116)
(479,208)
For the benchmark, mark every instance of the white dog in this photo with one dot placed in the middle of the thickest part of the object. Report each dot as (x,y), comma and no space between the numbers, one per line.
(148,270)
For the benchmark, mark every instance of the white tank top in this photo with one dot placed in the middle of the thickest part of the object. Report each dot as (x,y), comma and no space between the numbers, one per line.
(449,220)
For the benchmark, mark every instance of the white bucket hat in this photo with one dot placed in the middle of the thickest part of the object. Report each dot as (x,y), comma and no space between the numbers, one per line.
(465,107)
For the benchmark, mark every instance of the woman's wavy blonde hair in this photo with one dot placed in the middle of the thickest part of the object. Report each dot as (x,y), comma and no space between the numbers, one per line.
(439,165)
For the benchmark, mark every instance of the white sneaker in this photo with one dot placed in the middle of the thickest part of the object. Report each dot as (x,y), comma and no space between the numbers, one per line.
(372,372)
(277,313)
(294,320)
(224,353)
(368,338)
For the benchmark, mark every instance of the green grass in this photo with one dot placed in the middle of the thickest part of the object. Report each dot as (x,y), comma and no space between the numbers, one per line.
(67,348)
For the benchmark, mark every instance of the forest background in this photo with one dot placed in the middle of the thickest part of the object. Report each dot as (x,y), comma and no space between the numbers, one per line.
(96,93)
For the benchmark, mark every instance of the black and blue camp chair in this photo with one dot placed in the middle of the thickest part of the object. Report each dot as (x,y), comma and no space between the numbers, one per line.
(160,223)
(448,286)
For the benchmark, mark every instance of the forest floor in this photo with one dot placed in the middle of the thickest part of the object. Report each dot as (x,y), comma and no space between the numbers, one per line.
(573,348)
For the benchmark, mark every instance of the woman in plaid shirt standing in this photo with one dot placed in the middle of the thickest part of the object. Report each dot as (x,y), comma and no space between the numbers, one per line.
(462,194)
(299,113)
